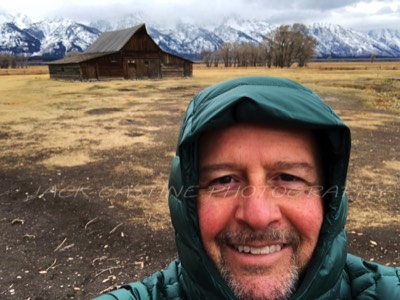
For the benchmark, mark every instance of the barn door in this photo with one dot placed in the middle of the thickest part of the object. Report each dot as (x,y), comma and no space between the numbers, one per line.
(132,74)
(148,68)
(155,68)
(140,69)
(91,71)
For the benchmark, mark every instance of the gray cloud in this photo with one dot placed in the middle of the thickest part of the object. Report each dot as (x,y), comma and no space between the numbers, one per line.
(342,12)
(318,5)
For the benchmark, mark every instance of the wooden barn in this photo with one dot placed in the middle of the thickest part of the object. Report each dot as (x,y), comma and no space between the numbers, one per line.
(124,54)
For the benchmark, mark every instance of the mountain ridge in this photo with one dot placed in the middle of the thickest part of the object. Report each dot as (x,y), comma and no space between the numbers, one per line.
(52,38)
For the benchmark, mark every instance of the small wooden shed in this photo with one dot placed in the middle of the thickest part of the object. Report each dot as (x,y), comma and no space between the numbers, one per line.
(123,54)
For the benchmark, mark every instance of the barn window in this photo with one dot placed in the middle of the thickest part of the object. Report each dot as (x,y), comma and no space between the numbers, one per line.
(113,58)
(146,62)
(62,69)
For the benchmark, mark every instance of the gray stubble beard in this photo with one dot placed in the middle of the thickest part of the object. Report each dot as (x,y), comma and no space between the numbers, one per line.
(284,291)
(287,286)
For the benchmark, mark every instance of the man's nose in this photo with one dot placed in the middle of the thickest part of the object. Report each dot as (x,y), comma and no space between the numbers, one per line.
(257,208)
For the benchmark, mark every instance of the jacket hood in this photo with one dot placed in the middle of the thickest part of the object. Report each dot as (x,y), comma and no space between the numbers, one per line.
(268,100)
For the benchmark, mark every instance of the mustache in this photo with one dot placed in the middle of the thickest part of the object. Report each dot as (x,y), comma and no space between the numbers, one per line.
(247,235)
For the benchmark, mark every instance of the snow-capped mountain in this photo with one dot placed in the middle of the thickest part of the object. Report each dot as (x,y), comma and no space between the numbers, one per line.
(51,39)
(336,41)
(388,37)
(19,20)
(332,40)
(13,40)
(59,36)
(235,29)
(186,39)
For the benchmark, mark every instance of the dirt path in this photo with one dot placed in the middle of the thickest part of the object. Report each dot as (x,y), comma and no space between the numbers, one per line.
(83,214)
(373,183)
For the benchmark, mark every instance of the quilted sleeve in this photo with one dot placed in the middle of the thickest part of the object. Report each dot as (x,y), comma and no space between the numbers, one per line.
(370,280)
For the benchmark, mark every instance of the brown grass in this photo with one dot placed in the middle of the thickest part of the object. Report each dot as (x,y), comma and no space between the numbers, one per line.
(30,70)
(72,121)
(377,84)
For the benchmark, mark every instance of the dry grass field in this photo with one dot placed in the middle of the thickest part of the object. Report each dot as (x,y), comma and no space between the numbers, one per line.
(84,168)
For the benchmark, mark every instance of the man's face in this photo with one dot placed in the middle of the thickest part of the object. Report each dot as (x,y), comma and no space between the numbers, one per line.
(259,206)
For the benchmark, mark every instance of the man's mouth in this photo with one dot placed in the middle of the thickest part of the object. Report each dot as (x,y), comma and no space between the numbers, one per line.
(258,250)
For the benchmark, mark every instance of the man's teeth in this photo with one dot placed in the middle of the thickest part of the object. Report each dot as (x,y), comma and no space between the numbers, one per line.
(258,250)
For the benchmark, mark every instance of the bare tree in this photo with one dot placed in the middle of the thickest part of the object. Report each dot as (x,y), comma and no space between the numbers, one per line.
(5,61)
(13,61)
(206,58)
(215,59)
(289,44)
(242,55)
(236,54)
(279,41)
(265,54)
(253,54)
(224,51)
(372,58)
(282,47)
(304,44)
(21,61)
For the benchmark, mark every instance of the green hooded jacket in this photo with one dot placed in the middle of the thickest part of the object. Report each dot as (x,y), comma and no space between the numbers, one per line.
(332,272)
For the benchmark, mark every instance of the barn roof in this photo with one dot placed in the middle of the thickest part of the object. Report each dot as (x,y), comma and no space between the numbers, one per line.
(113,41)
(77,58)
(107,43)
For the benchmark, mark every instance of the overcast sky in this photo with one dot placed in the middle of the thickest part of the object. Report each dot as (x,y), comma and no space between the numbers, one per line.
(355,14)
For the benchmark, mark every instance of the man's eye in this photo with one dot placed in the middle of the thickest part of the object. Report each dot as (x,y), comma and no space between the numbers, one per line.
(221,187)
(287,182)
(288,177)
(223,180)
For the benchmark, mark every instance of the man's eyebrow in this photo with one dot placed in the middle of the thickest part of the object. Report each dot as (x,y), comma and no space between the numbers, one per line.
(217,167)
(292,165)
(284,165)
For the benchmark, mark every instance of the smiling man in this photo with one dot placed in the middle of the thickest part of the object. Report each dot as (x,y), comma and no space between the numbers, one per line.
(257,201)
(253,191)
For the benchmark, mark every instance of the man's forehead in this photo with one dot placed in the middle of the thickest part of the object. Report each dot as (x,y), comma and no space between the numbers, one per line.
(248,127)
